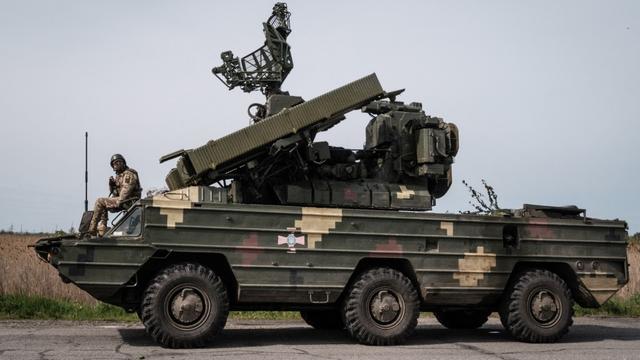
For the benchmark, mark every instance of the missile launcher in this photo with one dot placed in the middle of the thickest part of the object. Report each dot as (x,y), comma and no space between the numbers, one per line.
(405,163)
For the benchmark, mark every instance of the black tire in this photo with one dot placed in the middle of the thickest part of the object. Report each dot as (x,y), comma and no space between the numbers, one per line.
(323,319)
(503,314)
(462,319)
(381,308)
(538,307)
(139,313)
(190,286)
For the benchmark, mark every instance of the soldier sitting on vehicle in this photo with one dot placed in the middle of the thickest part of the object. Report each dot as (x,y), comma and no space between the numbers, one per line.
(124,191)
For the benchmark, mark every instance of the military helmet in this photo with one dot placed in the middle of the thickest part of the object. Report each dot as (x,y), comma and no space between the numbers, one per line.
(115,157)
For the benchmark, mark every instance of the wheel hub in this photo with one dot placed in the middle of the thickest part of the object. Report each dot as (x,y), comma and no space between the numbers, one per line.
(385,307)
(544,307)
(187,306)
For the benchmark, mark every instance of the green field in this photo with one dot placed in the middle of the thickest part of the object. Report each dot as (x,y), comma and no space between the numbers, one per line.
(614,307)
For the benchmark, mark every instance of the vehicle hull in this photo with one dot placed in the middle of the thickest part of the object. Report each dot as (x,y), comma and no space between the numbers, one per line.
(295,257)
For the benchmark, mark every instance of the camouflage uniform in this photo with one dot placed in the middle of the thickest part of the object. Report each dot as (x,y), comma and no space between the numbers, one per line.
(127,187)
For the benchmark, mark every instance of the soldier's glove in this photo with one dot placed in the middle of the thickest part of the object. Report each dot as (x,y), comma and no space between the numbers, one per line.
(112,185)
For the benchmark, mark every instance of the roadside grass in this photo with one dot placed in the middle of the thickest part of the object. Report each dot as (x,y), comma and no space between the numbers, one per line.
(23,307)
(614,307)
(36,307)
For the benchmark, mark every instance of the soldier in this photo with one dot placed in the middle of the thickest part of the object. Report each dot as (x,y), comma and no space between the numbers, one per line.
(124,191)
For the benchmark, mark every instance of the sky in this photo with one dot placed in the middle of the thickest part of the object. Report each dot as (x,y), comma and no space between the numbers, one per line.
(546,94)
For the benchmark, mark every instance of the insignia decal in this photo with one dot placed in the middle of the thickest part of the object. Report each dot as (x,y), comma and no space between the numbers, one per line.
(291,240)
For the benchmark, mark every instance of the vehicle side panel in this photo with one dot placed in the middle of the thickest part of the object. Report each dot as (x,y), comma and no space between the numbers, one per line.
(301,255)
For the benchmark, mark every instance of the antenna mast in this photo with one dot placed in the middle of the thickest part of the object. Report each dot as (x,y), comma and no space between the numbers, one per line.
(86,171)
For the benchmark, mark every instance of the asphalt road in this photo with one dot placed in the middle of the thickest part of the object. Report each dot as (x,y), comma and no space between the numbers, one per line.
(589,338)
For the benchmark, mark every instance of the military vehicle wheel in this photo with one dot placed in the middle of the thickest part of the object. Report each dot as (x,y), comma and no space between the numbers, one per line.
(381,308)
(538,307)
(323,319)
(186,305)
(462,319)
(503,314)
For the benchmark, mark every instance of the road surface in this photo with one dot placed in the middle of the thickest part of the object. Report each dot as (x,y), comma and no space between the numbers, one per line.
(589,338)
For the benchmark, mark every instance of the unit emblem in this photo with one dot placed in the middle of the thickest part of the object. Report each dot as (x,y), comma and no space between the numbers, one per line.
(291,240)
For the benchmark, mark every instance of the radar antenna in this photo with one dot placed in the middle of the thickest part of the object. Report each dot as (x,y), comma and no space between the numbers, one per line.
(265,68)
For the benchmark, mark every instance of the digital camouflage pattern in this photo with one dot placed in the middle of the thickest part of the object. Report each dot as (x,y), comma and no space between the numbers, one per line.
(127,185)
(291,257)
(125,190)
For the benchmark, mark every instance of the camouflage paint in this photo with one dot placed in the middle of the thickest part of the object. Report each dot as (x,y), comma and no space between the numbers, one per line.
(457,259)
(316,222)
(474,266)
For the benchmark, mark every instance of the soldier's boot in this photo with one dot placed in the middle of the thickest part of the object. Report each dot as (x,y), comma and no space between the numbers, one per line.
(93,226)
(101,228)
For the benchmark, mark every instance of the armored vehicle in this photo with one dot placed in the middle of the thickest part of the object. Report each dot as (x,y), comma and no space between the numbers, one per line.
(182,260)
(267,219)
